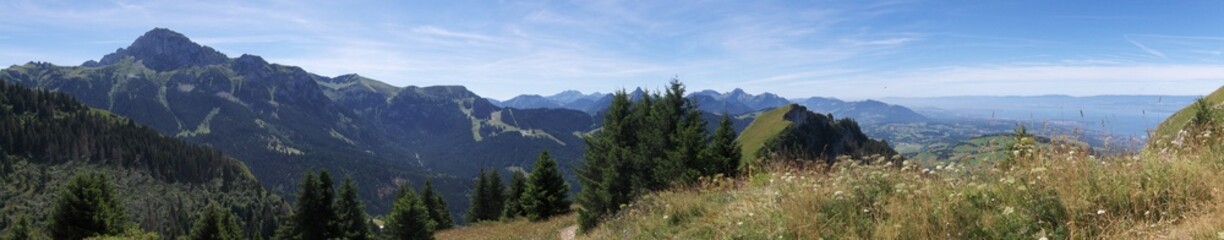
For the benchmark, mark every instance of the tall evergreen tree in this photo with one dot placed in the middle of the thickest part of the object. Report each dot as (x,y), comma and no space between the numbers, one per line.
(21,230)
(690,142)
(353,222)
(438,211)
(546,193)
(496,198)
(408,218)
(314,217)
(216,224)
(477,205)
(87,206)
(724,152)
(603,172)
(514,196)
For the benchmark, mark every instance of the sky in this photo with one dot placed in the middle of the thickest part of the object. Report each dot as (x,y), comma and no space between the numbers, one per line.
(845,49)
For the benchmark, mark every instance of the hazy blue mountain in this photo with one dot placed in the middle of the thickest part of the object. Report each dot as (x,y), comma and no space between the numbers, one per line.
(570,96)
(736,102)
(530,101)
(867,112)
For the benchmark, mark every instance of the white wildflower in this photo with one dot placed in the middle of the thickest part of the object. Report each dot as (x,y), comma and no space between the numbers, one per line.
(1100,211)
(740,223)
(1008,211)
(665,217)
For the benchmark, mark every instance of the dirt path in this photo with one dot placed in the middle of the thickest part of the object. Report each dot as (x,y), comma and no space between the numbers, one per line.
(569,232)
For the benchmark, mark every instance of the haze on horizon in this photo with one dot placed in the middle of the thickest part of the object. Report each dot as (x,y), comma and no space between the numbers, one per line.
(848,50)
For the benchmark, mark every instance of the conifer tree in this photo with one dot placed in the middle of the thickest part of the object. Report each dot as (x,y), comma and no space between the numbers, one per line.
(438,211)
(21,230)
(690,144)
(314,217)
(87,206)
(496,199)
(546,193)
(724,152)
(477,199)
(514,196)
(352,219)
(604,172)
(408,218)
(216,224)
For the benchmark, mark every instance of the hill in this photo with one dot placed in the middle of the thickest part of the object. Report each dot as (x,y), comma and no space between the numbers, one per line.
(165,183)
(1168,130)
(793,132)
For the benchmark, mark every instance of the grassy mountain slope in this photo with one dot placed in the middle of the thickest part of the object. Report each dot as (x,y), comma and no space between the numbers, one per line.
(764,127)
(1167,130)
(165,183)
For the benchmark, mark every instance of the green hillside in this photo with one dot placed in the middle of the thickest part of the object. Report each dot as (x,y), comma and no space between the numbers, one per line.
(1167,130)
(766,126)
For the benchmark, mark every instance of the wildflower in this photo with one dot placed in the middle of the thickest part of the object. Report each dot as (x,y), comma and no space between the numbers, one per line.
(1008,211)
(665,217)
(1100,211)
(751,214)
(740,223)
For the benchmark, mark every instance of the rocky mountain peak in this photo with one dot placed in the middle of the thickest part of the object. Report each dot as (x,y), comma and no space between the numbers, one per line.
(162,49)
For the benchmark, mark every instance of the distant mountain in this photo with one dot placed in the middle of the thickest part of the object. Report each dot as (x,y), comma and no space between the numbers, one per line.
(164,183)
(736,102)
(530,101)
(868,112)
(568,99)
(282,120)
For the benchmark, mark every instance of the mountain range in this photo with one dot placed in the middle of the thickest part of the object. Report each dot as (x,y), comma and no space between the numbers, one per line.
(735,102)
(282,120)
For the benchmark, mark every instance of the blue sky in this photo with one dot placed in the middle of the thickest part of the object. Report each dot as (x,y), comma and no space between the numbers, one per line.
(844,49)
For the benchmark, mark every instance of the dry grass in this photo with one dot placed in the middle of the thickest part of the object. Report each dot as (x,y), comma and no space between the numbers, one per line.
(1061,191)
(517,229)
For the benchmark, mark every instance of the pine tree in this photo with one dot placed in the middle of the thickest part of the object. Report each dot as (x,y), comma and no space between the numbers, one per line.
(438,211)
(690,143)
(546,193)
(408,218)
(514,196)
(477,200)
(724,152)
(603,173)
(327,208)
(21,230)
(352,219)
(496,199)
(87,206)
(314,216)
(216,224)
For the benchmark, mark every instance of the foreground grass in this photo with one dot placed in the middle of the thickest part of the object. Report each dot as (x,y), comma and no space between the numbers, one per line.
(517,229)
(1060,192)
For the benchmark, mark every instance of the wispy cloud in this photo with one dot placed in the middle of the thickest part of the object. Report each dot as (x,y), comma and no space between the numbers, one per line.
(1145,48)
